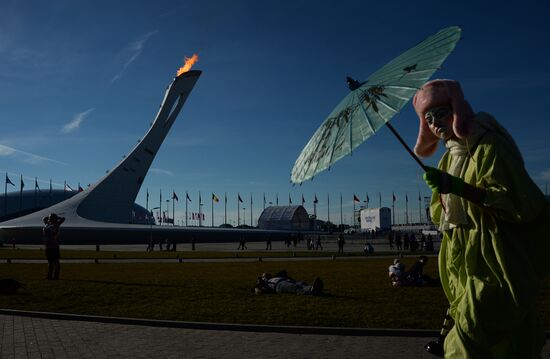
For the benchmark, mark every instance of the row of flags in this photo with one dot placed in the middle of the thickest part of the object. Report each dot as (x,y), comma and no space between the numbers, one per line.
(216,199)
(394,198)
(66,186)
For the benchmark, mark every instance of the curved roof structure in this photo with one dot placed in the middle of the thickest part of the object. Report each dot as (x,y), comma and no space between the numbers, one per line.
(284,218)
(30,201)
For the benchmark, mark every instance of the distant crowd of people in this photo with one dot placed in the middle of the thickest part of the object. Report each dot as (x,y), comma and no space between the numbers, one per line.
(408,241)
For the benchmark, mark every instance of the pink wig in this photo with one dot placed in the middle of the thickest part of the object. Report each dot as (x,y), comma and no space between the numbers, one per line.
(440,93)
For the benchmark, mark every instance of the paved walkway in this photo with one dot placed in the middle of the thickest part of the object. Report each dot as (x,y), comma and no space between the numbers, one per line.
(34,337)
(30,337)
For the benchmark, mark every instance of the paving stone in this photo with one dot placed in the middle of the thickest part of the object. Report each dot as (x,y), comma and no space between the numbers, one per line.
(28,337)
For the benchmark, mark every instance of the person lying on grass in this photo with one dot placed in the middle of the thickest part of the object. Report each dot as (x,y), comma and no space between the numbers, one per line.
(414,277)
(282,283)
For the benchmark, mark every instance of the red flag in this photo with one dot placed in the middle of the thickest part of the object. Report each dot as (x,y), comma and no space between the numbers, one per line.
(355,199)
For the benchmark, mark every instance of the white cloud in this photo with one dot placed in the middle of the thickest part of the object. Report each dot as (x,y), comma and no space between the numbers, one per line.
(76,121)
(134,50)
(6,151)
(161,171)
(26,156)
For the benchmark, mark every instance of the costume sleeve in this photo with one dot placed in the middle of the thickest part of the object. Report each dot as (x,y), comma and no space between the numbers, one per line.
(510,192)
(435,205)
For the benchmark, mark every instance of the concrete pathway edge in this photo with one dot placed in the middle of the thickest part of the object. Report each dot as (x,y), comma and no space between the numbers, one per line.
(230,327)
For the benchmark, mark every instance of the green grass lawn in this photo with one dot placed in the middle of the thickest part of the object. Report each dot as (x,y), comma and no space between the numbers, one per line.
(358,293)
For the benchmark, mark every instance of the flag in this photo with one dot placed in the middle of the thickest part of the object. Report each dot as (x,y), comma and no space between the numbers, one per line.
(22,183)
(200,200)
(8,181)
(175,196)
(215,198)
(80,189)
(289,199)
(419,198)
(393,195)
(406,198)
(67,187)
(368,198)
(147,194)
(239,197)
(315,200)
(355,199)
(36,184)
(303,200)
(187,197)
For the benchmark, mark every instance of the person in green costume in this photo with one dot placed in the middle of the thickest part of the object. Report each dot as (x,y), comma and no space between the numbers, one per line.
(492,217)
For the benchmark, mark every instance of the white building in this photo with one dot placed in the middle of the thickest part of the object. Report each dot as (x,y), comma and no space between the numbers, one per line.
(375,219)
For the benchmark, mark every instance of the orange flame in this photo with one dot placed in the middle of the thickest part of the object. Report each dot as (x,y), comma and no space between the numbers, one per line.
(189,62)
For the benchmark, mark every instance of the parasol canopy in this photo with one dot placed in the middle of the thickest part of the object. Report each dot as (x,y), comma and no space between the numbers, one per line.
(372,103)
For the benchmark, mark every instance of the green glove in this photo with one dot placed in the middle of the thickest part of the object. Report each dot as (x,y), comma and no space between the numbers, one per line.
(442,182)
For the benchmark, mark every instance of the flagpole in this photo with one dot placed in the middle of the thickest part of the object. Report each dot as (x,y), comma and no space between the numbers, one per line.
(21,194)
(328,207)
(341,214)
(160,206)
(238,209)
(212,201)
(315,212)
(186,200)
(6,196)
(406,208)
(264,202)
(200,210)
(35,197)
(315,206)
(225,209)
(51,190)
(173,207)
(277,198)
(251,222)
(419,208)
(393,207)
(353,214)
(380,199)
(147,200)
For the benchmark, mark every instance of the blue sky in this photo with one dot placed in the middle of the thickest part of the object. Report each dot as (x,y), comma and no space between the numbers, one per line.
(81,81)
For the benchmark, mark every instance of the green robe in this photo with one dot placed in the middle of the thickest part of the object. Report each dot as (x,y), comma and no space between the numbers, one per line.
(491,268)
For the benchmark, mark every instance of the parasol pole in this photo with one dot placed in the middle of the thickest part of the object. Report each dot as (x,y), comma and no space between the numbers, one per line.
(406,146)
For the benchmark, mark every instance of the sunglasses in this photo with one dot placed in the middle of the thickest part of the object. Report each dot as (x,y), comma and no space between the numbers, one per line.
(437,114)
